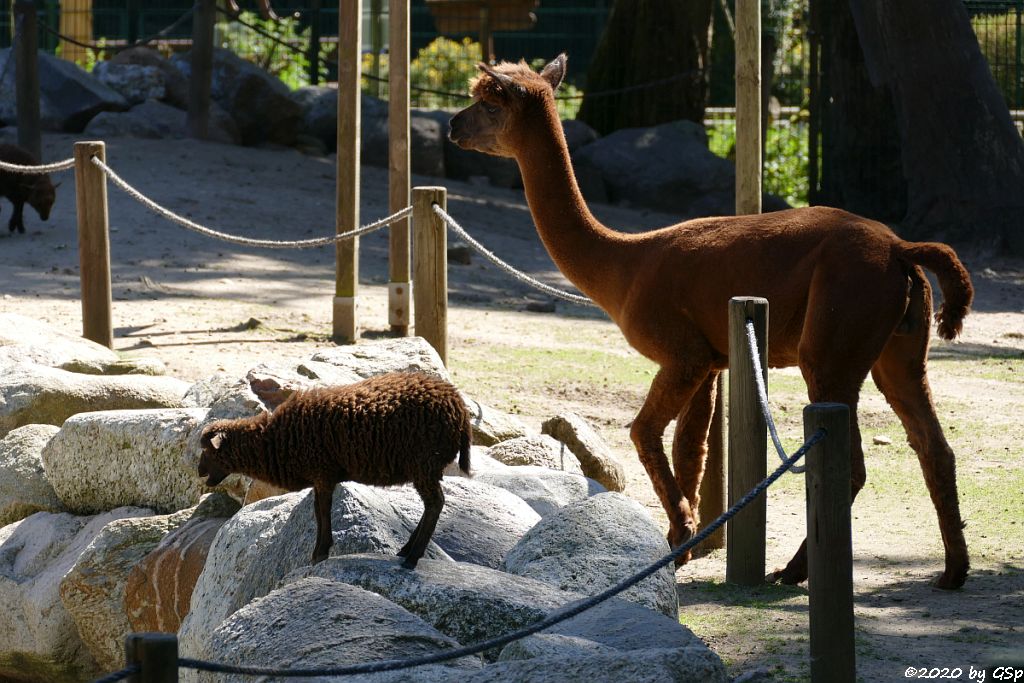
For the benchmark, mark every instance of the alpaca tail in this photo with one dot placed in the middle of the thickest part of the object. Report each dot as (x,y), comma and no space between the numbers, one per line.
(954,281)
(465,448)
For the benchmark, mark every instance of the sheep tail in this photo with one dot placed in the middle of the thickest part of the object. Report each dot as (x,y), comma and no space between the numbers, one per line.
(464,449)
(954,281)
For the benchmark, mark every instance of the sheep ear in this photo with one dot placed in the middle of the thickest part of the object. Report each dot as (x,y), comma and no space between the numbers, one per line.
(58,185)
(214,440)
(554,72)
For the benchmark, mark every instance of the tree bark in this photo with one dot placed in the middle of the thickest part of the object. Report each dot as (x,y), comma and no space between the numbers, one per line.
(645,41)
(961,154)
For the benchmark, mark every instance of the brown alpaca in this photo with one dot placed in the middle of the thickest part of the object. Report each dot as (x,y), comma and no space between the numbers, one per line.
(847,297)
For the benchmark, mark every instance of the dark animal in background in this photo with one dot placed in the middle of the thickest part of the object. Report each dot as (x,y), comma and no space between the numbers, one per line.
(36,190)
(391,429)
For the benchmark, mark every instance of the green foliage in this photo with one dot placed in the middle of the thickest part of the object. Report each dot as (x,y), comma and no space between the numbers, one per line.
(290,65)
(998,37)
(445,66)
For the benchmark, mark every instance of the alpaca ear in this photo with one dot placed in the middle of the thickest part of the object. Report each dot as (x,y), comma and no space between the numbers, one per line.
(506,82)
(554,72)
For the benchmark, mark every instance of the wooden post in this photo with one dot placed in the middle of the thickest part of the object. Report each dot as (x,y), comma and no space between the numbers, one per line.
(398,166)
(75,23)
(748,106)
(26,75)
(313,54)
(156,654)
(350,19)
(748,443)
(430,268)
(93,243)
(376,45)
(829,545)
(201,80)
(712,486)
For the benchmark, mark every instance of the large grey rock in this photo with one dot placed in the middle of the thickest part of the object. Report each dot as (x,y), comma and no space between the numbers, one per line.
(36,631)
(319,623)
(68,96)
(135,82)
(225,397)
(34,394)
(24,488)
(102,460)
(595,457)
(26,340)
(157,120)
(537,449)
(270,538)
(491,426)
(480,523)
(594,544)
(405,354)
(545,490)
(260,104)
(667,167)
(93,591)
(175,84)
(694,664)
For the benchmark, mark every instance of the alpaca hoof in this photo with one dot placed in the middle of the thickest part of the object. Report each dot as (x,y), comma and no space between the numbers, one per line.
(684,558)
(951,580)
(786,577)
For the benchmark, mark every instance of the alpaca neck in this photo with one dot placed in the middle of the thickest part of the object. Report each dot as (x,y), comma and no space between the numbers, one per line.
(590,255)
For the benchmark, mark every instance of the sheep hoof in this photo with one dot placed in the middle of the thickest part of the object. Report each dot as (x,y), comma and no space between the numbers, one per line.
(410,563)
(317,559)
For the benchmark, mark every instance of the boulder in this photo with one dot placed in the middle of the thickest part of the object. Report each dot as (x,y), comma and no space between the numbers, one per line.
(158,590)
(594,544)
(318,623)
(479,522)
(595,457)
(102,460)
(68,96)
(536,449)
(545,490)
(93,591)
(260,104)
(327,373)
(174,82)
(36,631)
(491,426)
(136,83)
(224,396)
(577,134)
(157,120)
(268,539)
(544,644)
(427,137)
(26,340)
(693,664)
(34,394)
(121,366)
(24,488)
(405,354)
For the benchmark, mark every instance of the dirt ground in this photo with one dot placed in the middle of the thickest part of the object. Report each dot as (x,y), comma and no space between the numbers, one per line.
(186,300)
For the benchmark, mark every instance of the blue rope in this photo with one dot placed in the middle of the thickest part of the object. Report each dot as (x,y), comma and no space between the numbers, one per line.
(555,617)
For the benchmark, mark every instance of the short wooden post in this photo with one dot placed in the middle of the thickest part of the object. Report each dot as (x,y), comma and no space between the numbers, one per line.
(748,444)
(346,252)
(156,655)
(200,82)
(76,24)
(748,106)
(829,545)
(712,486)
(430,268)
(93,243)
(399,299)
(313,53)
(26,76)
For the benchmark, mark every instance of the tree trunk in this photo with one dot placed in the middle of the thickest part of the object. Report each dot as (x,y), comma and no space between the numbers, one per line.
(645,41)
(962,156)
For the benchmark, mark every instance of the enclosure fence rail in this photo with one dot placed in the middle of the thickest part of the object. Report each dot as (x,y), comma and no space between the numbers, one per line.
(552,619)
(97,47)
(41,169)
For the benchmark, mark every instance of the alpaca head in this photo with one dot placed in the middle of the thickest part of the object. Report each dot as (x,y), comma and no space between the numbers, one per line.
(507,101)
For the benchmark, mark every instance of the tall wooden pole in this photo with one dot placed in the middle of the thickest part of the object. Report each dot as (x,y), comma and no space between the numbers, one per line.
(93,243)
(829,545)
(748,444)
(201,79)
(748,106)
(430,268)
(399,298)
(26,75)
(313,54)
(350,19)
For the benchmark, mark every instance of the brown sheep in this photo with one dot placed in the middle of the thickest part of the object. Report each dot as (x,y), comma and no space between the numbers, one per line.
(36,190)
(391,429)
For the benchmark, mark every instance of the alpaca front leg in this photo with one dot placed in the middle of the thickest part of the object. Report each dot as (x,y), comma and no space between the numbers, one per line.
(322,500)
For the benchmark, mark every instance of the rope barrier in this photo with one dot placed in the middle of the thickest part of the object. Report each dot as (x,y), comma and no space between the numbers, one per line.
(762,395)
(523,277)
(552,619)
(119,48)
(38,170)
(245,241)
(119,675)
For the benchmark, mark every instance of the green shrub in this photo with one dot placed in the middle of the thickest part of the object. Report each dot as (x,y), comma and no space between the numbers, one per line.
(289,64)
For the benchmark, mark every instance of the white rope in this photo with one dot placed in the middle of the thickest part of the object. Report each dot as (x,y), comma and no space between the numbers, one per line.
(762,395)
(271,244)
(38,170)
(523,277)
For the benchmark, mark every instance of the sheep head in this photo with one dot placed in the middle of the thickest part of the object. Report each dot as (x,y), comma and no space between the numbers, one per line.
(210,465)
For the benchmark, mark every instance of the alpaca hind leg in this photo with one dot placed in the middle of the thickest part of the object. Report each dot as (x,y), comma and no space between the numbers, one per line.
(900,375)
(322,499)
(670,391)
(433,502)
(690,443)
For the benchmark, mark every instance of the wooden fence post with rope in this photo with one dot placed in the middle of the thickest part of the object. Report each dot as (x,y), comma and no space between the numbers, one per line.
(430,268)
(93,243)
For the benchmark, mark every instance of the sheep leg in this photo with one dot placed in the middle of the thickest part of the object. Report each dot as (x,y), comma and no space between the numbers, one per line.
(408,544)
(17,222)
(433,501)
(322,500)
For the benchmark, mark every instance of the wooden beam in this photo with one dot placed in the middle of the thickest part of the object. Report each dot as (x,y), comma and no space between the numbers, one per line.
(399,298)
(748,106)
(350,19)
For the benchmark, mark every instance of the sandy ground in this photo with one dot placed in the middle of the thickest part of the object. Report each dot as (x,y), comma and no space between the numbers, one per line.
(186,299)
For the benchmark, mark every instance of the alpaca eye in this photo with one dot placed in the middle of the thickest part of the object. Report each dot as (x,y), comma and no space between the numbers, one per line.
(490,109)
